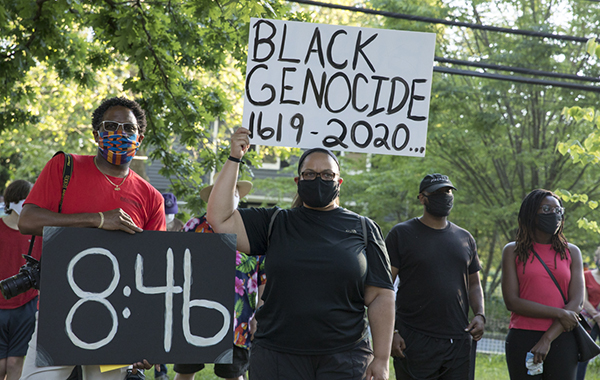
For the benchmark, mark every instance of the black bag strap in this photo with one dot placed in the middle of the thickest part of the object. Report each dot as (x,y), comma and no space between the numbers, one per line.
(277,211)
(67,173)
(551,275)
(582,320)
(363,223)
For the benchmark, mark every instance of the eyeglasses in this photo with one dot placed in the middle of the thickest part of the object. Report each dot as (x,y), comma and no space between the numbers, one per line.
(548,209)
(113,126)
(311,176)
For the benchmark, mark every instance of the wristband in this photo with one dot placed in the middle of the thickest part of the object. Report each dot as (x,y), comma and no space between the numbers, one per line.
(482,316)
(238,160)
(101,219)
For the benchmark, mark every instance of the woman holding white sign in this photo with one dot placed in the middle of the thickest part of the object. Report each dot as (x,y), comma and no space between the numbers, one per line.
(325,265)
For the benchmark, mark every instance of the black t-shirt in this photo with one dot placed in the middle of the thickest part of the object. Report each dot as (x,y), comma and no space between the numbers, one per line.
(434,268)
(316,270)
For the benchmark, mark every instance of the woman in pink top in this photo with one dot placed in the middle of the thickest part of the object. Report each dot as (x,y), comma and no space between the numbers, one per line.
(540,322)
(590,306)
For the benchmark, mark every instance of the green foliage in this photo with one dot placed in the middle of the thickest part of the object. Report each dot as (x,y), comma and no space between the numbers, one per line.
(182,61)
(497,140)
(491,366)
(593,47)
(586,152)
(59,119)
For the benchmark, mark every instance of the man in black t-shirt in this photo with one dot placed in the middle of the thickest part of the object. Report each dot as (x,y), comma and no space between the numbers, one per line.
(438,269)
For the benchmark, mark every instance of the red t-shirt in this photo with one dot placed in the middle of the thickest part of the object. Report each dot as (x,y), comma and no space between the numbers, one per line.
(536,285)
(89,191)
(12,246)
(592,287)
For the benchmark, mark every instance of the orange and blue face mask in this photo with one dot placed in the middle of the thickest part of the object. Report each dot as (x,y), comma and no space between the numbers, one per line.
(116,147)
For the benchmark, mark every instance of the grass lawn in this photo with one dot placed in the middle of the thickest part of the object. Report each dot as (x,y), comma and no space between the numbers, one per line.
(489,367)
(493,367)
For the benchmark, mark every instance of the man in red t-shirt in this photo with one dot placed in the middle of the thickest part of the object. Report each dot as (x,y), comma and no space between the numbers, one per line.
(102,193)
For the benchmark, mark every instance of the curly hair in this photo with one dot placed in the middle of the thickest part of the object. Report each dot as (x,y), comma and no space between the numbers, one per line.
(138,112)
(16,192)
(527,226)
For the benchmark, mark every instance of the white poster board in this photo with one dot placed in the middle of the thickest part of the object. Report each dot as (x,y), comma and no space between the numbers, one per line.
(339,87)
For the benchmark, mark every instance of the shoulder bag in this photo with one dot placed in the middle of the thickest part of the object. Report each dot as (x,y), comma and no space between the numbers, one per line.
(586,346)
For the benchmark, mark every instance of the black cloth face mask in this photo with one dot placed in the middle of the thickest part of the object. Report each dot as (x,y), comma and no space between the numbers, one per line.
(318,193)
(549,223)
(439,204)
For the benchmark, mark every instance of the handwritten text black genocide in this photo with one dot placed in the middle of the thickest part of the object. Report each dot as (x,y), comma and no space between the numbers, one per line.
(318,88)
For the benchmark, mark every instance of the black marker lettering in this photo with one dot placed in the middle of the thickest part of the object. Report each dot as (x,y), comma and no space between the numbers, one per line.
(285,87)
(415,97)
(400,127)
(282,48)
(249,96)
(349,96)
(297,122)
(259,41)
(391,108)
(369,133)
(355,91)
(339,66)
(316,38)
(359,50)
(317,92)
(376,110)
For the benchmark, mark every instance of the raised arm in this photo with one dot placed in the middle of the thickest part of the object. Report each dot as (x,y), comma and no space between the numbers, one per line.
(219,211)
(33,219)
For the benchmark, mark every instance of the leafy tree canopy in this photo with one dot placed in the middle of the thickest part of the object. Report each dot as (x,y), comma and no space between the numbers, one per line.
(181,60)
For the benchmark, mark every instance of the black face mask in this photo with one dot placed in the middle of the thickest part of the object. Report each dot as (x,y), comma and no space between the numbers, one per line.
(318,193)
(439,204)
(549,223)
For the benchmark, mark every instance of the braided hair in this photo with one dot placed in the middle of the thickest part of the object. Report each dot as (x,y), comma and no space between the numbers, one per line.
(527,225)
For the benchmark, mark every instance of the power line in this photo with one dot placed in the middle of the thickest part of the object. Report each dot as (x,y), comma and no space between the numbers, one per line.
(516,69)
(442,21)
(512,78)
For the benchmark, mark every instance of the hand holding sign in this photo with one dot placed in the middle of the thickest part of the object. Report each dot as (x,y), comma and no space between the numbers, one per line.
(240,143)
(118,219)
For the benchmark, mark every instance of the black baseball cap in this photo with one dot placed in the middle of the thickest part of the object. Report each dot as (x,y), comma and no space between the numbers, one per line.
(435,181)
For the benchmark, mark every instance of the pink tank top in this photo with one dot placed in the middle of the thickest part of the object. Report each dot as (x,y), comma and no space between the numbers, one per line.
(537,286)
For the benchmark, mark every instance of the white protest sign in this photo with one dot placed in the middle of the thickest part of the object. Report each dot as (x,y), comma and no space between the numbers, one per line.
(339,87)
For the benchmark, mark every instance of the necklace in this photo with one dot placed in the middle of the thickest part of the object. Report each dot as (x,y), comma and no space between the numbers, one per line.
(117,187)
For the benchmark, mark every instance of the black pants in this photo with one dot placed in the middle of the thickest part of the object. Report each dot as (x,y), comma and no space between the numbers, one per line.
(429,358)
(267,364)
(560,363)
